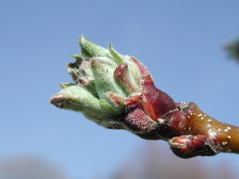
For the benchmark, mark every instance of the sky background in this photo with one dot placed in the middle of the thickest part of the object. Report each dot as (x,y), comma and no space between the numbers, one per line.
(181,43)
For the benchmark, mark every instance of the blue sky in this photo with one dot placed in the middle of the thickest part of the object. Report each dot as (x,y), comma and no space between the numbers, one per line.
(181,42)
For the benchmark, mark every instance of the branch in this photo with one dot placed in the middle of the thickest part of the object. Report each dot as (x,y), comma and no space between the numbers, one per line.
(118,92)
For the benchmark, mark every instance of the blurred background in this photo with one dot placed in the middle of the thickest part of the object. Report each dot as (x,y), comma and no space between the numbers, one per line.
(181,42)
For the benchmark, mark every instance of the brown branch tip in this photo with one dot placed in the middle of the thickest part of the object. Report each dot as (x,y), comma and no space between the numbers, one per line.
(117,91)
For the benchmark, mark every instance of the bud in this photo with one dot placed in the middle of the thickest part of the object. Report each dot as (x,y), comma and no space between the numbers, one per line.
(113,90)
(187,146)
(118,92)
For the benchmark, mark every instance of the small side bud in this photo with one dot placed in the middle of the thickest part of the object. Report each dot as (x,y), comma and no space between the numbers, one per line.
(190,146)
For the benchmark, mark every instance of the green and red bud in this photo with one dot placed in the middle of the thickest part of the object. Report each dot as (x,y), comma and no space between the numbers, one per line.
(112,85)
(117,91)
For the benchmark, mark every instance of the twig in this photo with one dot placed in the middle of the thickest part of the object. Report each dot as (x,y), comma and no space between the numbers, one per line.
(118,92)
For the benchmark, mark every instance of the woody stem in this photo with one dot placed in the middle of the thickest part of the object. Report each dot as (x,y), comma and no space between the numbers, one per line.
(226,135)
(191,132)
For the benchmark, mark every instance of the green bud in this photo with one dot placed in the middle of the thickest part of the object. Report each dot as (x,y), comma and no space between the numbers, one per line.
(103,80)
